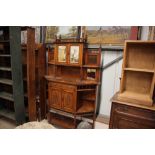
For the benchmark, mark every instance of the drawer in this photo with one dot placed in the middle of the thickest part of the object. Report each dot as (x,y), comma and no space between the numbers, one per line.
(136,111)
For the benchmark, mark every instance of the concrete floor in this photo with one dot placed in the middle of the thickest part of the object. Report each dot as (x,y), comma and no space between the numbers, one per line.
(6,124)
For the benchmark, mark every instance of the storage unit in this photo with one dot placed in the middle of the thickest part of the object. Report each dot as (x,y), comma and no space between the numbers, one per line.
(72,82)
(138,72)
(11,84)
(125,115)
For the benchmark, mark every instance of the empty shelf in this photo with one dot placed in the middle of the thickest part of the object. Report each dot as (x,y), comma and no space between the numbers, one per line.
(6,96)
(133,96)
(6,81)
(86,108)
(5,68)
(7,113)
(139,70)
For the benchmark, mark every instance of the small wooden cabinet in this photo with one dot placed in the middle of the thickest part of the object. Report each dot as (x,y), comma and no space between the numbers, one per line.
(71,88)
(125,115)
(62,97)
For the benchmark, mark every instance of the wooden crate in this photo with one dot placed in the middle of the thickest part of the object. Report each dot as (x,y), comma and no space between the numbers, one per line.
(138,72)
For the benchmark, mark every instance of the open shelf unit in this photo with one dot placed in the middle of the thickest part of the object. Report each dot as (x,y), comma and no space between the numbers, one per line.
(11,86)
(138,74)
(72,82)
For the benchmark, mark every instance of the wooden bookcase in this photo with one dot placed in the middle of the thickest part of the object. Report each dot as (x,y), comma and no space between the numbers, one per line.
(11,84)
(72,82)
(138,72)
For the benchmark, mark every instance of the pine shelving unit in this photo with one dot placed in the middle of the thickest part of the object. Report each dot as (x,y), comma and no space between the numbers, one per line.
(138,73)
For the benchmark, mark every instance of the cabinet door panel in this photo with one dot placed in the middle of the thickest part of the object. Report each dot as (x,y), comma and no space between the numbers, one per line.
(54,97)
(68,100)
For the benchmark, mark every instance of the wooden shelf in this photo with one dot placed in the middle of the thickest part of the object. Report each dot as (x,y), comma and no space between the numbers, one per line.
(139,70)
(5,55)
(5,69)
(135,97)
(63,121)
(6,96)
(86,108)
(89,99)
(91,66)
(7,114)
(6,81)
(4,41)
(79,90)
(51,63)
(68,65)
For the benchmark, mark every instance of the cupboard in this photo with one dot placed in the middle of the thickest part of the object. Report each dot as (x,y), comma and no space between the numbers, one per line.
(72,83)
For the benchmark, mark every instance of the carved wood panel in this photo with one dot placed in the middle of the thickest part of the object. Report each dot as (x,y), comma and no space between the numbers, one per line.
(128,117)
(68,100)
(55,97)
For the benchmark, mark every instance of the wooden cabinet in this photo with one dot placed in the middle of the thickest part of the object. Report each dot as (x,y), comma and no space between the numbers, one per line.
(71,95)
(62,97)
(125,115)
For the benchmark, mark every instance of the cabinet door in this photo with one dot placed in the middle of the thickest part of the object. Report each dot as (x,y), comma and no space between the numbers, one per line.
(68,100)
(54,97)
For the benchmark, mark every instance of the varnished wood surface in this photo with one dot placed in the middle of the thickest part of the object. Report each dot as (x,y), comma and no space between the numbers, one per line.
(69,89)
(138,72)
(126,102)
(70,81)
(125,115)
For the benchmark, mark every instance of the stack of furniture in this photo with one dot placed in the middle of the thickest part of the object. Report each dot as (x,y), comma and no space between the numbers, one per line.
(11,84)
(73,78)
(133,106)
